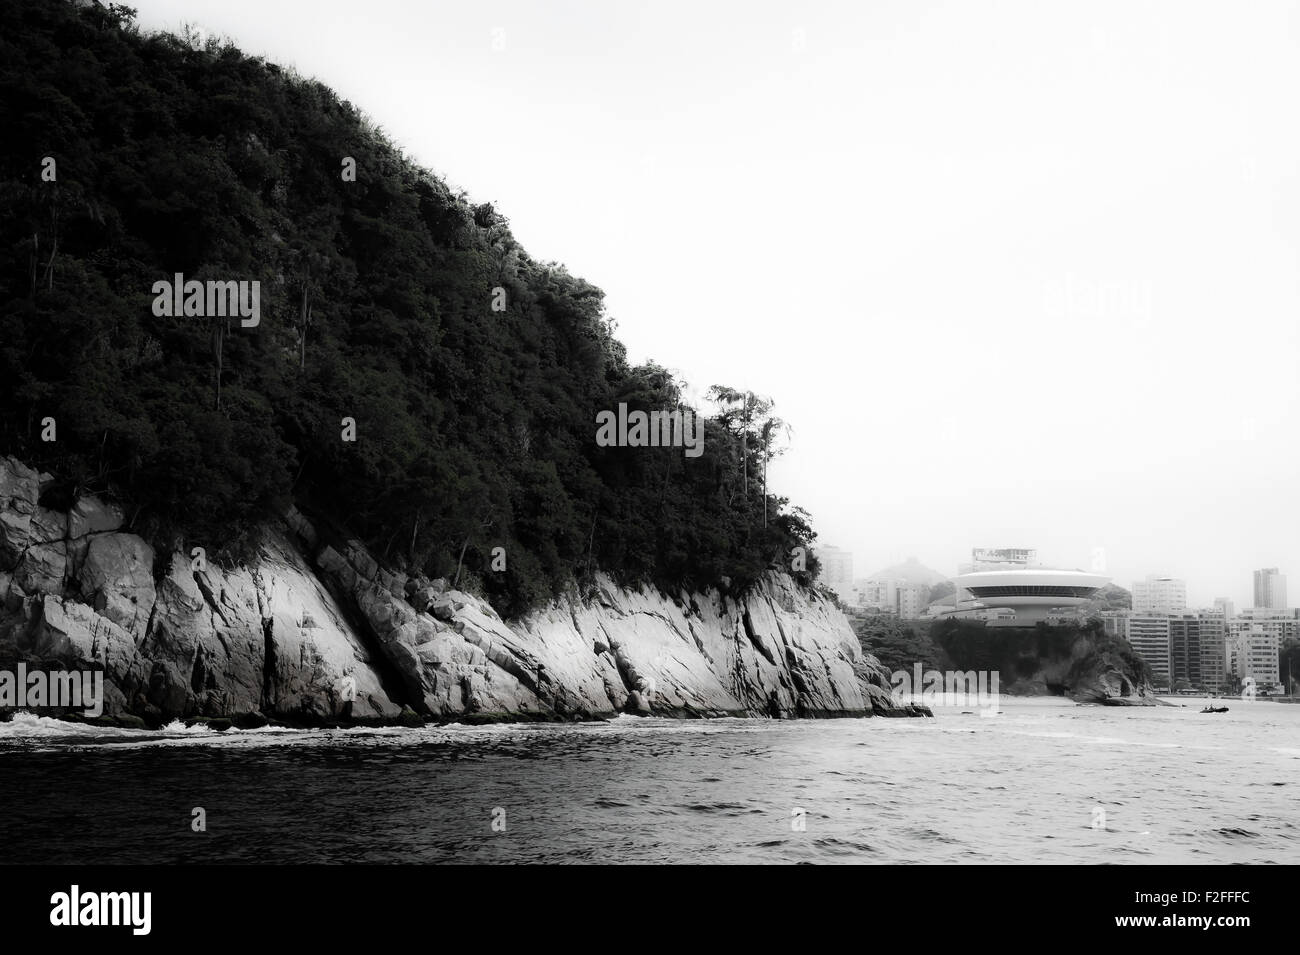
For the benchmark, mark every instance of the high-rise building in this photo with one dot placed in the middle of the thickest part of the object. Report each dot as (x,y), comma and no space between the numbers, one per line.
(1149,635)
(1277,622)
(1159,595)
(1226,605)
(836,570)
(879,592)
(911,601)
(1196,650)
(993,558)
(1186,648)
(1253,652)
(893,594)
(1214,654)
(1270,589)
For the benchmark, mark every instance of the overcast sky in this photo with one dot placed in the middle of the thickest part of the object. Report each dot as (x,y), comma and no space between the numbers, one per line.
(1018,274)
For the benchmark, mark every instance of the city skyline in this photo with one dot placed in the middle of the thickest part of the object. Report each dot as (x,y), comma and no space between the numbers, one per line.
(1270,588)
(1193,589)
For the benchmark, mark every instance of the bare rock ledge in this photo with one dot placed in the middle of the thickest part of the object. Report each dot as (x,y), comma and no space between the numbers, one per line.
(313,634)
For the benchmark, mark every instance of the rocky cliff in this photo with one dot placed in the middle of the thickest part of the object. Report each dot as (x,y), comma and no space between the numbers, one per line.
(311,632)
(1079,661)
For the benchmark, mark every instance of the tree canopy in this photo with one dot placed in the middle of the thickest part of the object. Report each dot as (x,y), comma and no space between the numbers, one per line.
(473,373)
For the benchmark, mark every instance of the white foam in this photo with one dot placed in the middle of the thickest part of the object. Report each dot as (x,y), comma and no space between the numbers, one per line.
(25,725)
(176,726)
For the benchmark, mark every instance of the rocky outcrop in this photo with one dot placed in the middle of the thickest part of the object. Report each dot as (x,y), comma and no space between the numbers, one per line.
(19,492)
(315,632)
(79,638)
(1079,661)
(1112,683)
(777,652)
(116,578)
(266,638)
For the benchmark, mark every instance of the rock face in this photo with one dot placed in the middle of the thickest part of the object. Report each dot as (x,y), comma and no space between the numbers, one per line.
(1082,662)
(1111,683)
(315,632)
(777,652)
(117,580)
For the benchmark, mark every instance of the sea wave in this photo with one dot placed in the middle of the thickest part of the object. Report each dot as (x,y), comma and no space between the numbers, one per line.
(1025,788)
(25,725)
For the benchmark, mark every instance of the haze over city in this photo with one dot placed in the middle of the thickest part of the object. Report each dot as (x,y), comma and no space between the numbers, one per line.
(1015,279)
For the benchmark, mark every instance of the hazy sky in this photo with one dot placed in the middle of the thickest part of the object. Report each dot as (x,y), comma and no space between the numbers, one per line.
(1018,274)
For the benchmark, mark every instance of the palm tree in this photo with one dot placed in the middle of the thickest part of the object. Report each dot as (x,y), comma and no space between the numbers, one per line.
(773,425)
(749,407)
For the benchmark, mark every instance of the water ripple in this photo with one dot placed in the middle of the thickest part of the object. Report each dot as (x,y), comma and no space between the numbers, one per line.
(1048,782)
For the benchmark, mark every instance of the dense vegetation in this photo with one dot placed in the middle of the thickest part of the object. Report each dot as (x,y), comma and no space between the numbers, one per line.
(1017,653)
(475,427)
(939,591)
(897,644)
(1110,597)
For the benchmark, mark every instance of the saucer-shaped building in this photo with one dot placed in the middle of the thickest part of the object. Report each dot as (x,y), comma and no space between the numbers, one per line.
(1008,579)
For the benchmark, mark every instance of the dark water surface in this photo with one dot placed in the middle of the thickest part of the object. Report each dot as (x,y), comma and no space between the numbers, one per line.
(1026,786)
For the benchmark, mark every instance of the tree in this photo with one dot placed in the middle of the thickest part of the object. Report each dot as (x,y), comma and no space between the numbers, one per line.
(740,410)
(943,588)
(773,427)
(471,431)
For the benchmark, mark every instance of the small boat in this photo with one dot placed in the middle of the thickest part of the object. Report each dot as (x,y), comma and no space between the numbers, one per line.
(1215,709)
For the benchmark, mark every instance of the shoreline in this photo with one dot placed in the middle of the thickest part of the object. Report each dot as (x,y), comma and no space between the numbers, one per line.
(412,720)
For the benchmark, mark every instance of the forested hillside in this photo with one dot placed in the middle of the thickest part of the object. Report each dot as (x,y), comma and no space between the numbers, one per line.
(129,158)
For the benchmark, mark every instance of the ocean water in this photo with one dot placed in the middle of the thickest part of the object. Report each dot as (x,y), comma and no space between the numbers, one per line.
(1046,781)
